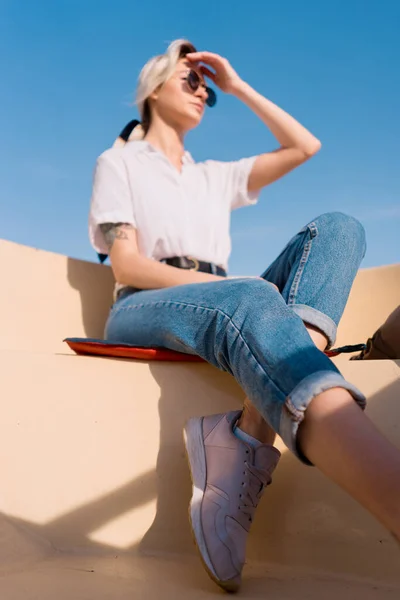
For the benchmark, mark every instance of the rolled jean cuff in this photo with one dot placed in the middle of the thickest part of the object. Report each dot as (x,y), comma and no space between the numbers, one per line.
(297,402)
(314,317)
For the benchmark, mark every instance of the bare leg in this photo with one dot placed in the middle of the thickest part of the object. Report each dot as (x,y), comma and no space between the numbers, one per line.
(251,420)
(338,438)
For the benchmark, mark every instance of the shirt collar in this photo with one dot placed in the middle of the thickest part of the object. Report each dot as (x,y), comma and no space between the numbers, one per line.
(143,146)
(187,158)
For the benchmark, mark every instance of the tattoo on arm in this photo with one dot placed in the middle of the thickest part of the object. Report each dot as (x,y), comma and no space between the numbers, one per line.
(115,231)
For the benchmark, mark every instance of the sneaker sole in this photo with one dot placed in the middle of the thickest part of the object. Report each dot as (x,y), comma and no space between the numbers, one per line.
(196,455)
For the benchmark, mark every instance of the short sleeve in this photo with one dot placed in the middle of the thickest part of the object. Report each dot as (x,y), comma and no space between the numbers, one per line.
(111,200)
(236,177)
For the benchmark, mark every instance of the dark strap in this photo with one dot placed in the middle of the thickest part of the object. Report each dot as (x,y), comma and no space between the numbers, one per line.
(102,257)
(345,350)
(127,130)
(188,262)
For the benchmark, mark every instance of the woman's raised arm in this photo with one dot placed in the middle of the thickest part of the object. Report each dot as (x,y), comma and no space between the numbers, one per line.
(297,144)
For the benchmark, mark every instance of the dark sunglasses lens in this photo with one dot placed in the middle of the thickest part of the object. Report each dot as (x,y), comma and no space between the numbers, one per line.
(212,97)
(193,80)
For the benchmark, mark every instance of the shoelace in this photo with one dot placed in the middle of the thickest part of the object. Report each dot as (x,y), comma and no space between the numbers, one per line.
(252,488)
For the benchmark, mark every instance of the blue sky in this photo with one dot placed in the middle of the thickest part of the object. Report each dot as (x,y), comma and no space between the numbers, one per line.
(69,71)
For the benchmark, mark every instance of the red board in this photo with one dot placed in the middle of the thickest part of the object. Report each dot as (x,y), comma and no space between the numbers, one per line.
(103,348)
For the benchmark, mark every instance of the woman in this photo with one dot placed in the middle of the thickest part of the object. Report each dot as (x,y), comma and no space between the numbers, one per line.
(164,221)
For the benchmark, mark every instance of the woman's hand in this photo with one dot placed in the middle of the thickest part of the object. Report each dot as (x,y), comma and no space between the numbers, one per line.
(224,75)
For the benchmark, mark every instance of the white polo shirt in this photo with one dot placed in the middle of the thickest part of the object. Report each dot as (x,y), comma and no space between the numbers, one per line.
(175,214)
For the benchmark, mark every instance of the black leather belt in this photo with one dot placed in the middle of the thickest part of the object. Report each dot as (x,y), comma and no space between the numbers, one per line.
(181,262)
(188,262)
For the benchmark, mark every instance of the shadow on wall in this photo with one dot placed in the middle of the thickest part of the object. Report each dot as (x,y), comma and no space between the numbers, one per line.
(95,284)
(300,505)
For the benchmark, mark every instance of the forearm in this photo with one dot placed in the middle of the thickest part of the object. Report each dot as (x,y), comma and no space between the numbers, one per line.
(145,273)
(289,132)
(135,270)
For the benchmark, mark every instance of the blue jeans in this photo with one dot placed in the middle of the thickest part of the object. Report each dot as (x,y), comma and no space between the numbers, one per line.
(252,331)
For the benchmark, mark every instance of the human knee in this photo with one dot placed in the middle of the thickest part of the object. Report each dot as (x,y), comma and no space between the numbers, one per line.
(245,294)
(341,227)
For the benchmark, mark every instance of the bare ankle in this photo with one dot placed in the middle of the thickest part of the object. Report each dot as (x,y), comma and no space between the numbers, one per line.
(252,423)
(319,338)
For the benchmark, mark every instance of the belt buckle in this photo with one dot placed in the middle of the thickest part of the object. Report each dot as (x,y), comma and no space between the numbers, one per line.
(195,262)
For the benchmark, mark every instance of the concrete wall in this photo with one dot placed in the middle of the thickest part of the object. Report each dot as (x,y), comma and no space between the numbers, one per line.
(91,451)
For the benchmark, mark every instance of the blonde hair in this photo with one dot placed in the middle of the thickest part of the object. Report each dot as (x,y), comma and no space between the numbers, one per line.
(153,75)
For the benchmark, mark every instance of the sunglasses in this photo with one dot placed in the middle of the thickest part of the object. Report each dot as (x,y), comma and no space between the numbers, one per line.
(194,82)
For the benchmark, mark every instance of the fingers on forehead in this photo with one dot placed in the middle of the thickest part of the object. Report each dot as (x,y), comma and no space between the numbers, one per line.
(195,65)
